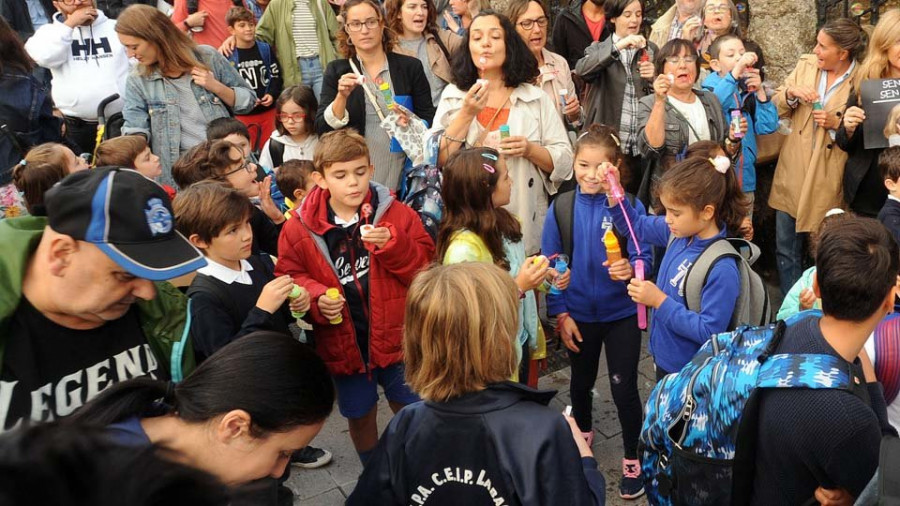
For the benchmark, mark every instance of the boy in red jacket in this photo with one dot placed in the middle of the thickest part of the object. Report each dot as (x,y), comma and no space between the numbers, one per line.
(353,236)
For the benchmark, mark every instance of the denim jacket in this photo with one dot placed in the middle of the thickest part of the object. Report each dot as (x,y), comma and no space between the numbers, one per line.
(151,106)
(27,117)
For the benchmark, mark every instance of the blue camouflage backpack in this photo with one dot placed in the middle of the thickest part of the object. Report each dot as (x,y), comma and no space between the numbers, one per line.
(700,427)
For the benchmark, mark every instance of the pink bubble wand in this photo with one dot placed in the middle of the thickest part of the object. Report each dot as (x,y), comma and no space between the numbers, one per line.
(619,194)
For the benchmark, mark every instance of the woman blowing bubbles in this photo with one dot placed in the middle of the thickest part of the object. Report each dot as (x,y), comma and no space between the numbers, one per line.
(537,149)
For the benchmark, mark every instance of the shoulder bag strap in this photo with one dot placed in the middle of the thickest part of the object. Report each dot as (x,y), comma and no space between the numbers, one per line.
(487,129)
(365,87)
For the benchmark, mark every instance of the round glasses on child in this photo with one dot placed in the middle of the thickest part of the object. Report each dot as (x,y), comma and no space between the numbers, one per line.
(296,117)
(245,165)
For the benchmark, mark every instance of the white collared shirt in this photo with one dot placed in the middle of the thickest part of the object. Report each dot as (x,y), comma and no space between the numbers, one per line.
(227,275)
(825,94)
(344,224)
(893,198)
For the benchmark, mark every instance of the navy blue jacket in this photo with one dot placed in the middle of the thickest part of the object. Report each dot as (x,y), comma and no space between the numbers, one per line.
(26,110)
(676,333)
(890,217)
(502,445)
(592,296)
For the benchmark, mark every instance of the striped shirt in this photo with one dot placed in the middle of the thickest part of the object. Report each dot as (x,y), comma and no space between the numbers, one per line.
(303,28)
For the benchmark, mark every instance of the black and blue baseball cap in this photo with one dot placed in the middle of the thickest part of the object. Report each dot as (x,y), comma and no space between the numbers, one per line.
(127,216)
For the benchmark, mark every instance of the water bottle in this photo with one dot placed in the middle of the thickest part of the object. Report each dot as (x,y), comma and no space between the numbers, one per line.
(561,266)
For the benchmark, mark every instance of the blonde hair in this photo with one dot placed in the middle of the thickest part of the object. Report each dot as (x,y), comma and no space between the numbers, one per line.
(875,65)
(175,50)
(890,126)
(461,323)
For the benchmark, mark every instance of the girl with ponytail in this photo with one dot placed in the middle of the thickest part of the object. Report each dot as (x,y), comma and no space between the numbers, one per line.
(703,201)
(239,416)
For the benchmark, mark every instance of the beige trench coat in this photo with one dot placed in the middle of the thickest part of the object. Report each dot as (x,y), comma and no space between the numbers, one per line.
(810,171)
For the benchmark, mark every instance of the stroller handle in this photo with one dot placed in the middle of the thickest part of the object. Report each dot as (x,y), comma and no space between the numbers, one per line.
(101,108)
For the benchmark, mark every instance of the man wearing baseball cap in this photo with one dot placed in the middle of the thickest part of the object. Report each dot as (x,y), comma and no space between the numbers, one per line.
(83,302)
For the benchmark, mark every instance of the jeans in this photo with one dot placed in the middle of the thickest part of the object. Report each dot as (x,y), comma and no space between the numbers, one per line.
(623,350)
(788,250)
(311,73)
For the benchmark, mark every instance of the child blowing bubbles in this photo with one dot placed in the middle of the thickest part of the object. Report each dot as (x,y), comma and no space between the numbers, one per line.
(702,199)
(596,309)
(477,228)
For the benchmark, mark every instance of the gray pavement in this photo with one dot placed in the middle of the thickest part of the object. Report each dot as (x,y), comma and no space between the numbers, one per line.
(330,485)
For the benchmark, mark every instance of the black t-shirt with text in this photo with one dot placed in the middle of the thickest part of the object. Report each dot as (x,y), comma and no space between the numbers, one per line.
(253,69)
(49,370)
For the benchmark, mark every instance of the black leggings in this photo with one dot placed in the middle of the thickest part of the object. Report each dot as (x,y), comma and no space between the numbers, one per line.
(623,350)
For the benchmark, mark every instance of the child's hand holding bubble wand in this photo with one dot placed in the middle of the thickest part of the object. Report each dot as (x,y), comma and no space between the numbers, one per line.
(618,194)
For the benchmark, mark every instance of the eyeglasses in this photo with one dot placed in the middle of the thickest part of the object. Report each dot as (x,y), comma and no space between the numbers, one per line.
(675,60)
(717,8)
(356,26)
(528,24)
(244,166)
(297,117)
(75,2)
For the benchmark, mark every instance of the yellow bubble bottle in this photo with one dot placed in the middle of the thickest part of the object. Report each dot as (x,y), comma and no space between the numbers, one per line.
(613,250)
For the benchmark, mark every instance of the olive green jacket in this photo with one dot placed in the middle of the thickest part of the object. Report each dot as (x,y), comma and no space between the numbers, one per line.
(275,28)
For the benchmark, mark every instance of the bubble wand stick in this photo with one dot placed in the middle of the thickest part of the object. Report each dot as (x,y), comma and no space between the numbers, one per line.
(619,194)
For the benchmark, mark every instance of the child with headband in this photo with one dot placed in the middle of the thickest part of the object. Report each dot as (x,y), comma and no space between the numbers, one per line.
(596,310)
(477,228)
(702,200)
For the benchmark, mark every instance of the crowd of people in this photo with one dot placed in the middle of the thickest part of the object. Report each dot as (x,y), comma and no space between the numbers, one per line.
(211,234)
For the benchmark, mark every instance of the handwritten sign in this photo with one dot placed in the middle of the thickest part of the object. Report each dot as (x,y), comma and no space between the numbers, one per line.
(881,101)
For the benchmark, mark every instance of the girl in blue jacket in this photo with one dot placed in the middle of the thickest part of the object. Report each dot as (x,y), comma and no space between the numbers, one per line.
(702,200)
(595,309)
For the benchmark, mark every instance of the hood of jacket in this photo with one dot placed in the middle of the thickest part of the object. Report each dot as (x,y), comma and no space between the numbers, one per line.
(19,237)
(495,397)
(314,209)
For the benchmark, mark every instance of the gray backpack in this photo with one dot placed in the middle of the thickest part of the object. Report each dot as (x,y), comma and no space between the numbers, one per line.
(753,306)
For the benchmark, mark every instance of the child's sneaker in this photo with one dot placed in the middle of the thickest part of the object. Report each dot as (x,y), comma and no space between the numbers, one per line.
(310,457)
(632,485)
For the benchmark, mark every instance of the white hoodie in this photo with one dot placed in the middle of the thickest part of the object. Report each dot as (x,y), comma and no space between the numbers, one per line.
(88,64)
(292,149)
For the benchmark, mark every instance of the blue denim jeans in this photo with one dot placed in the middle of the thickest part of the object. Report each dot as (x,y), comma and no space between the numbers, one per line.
(311,73)
(788,250)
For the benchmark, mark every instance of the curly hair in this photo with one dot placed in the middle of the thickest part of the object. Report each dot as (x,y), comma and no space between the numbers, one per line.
(393,9)
(520,66)
(345,45)
(207,160)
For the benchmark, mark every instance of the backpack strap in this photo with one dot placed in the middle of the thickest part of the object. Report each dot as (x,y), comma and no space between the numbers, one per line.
(440,43)
(564,212)
(799,370)
(889,460)
(276,152)
(697,274)
(887,356)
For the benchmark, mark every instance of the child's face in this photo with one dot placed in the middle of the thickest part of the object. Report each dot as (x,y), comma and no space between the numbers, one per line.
(241,175)
(729,54)
(503,191)
(148,164)
(243,31)
(293,117)
(348,182)
(74,163)
(591,165)
(682,219)
(240,141)
(232,245)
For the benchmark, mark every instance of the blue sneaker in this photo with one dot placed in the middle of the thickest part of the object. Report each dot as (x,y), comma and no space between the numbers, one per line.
(632,484)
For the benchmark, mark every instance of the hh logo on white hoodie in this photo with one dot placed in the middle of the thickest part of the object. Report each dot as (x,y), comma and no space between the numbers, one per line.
(82,50)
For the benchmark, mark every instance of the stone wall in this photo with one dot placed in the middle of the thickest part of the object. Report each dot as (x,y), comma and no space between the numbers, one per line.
(785,29)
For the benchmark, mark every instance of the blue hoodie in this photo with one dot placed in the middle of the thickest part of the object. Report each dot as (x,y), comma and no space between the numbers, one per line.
(676,333)
(592,296)
(765,121)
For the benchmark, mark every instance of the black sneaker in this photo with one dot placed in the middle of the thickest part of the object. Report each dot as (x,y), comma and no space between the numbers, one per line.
(310,457)
(632,485)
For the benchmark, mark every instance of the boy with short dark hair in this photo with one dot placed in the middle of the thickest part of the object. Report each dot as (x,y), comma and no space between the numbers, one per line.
(356,249)
(889,165)
(294,180)
(256,63)
(829,438)
(738,86)
(236,293)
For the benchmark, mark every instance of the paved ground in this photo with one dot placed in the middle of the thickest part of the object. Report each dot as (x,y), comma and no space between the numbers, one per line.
(330,485)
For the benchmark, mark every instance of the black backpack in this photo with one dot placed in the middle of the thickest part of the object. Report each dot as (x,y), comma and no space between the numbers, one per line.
(564,212)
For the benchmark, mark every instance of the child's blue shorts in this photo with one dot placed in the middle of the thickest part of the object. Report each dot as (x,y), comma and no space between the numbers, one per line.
(358,393)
